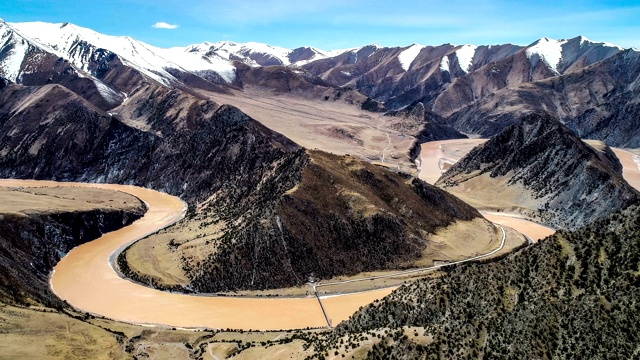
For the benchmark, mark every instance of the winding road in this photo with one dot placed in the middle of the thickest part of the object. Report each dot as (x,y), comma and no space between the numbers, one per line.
(406,272)
(86,279)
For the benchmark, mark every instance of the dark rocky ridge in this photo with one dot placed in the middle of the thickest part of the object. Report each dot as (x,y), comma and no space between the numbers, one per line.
(574,185)
(574,294)
(428,125)
(30,246)
(190,154)
(344,217)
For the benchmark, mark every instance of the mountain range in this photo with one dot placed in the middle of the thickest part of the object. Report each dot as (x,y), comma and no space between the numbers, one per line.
(590,86)
(216,124)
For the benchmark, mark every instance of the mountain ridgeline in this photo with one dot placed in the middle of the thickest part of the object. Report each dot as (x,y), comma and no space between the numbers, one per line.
(590,86)
(571,183)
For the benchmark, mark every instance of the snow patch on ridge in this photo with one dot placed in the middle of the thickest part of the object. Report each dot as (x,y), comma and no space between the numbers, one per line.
(465,56)
(193,60)
(584,39)
(107,93)
(407,56)
(547,50)
(11,64)
(444,64)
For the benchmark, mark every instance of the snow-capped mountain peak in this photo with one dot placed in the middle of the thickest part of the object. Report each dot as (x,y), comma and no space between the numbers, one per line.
(407,56)
(547,50)
(561,55)
(465,54)
(78,45)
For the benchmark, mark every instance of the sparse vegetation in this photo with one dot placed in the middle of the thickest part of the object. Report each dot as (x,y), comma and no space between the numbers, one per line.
(574,294)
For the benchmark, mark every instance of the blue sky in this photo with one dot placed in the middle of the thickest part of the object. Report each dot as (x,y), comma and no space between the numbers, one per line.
(334,24)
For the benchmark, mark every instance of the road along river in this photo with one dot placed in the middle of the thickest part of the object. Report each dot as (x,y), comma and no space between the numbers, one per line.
(86,280)
(437,156)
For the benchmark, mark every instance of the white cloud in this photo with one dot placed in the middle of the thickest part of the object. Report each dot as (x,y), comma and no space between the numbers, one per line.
(164,25)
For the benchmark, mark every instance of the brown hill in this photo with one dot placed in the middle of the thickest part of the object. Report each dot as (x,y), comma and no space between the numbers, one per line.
(344,217)
(546,171)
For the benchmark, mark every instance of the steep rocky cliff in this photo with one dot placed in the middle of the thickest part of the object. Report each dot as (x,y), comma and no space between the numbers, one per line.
(31,245)
(564,180)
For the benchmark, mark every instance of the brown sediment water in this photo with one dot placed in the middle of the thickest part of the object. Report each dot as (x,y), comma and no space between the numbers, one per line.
(630,168)
(531,229)
(86,280)
(436,155)
(339,308)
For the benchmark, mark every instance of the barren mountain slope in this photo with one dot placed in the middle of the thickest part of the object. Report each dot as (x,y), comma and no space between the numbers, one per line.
(597,102)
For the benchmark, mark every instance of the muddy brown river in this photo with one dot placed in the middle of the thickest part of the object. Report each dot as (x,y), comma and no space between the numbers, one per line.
(85,278)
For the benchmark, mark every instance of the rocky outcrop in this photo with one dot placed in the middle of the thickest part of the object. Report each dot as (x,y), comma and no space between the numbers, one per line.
(568,179)
(30,246)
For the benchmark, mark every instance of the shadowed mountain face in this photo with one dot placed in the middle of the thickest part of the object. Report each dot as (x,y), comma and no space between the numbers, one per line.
(597,102)
(571,183)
